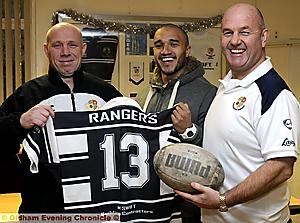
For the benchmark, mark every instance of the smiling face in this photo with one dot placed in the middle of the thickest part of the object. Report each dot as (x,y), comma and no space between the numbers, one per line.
(243,39)
(64,48)
(171,50)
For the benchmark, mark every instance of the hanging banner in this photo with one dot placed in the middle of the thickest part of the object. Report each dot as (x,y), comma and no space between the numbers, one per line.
(136,72)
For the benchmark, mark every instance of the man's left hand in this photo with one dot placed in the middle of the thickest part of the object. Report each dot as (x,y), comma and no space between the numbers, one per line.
(181,117)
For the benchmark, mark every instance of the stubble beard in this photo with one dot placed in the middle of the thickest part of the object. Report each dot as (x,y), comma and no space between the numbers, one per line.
(179,66)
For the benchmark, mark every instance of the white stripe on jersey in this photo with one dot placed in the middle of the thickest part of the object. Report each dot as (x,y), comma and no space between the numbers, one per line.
(120,202)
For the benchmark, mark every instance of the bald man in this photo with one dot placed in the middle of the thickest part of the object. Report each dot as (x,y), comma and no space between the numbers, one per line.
(68,88)
(252,127)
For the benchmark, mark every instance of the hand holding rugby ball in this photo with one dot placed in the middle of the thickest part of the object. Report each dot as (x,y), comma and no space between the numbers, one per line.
(179,164)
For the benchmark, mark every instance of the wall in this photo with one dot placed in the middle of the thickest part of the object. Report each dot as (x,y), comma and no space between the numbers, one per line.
(43,11)
(281,17)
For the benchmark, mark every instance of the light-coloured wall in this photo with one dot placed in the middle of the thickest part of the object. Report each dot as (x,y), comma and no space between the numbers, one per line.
(281,17)
(43,11)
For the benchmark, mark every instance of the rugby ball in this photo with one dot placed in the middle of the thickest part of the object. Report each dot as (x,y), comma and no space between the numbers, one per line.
(179,164)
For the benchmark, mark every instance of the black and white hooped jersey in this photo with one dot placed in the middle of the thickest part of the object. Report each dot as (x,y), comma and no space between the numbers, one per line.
(106,161)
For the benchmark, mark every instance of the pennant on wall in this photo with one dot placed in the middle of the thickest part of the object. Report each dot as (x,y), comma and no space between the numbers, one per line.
(136,72)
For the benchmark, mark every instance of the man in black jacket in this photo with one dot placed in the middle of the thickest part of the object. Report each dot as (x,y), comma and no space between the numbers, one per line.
(68,88)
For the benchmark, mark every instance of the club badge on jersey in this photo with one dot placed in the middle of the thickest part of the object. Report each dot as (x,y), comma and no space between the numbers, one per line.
(239,104)
(92,105)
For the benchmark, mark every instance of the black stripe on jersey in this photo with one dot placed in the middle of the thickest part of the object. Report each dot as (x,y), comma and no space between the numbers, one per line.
(270,86)
(73,155)
(83,130)
(112,116)
(70,132)
(83,204)
(48,147)
(163,209)
(75,181)
(173,137)
(172,140)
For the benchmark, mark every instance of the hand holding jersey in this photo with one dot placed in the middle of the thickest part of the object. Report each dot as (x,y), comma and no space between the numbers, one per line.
(36,116)
(64,48)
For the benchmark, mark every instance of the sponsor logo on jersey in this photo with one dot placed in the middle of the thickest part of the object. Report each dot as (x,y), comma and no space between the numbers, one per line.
(187,165)
(92,105)
(239,104)
(287,142)
(288,123)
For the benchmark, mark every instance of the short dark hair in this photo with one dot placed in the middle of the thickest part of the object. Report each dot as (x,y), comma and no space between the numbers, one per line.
(172,25)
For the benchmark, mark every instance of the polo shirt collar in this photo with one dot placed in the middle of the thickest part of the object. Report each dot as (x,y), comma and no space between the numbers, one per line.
(229,83)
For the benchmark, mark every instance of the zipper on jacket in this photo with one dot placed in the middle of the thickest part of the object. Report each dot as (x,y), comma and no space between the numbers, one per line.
(73,101)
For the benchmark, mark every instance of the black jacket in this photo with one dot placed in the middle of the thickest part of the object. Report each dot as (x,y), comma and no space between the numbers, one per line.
(192,89)
(39,191)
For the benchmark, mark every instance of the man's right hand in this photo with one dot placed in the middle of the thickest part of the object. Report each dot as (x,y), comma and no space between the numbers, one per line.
(36,116)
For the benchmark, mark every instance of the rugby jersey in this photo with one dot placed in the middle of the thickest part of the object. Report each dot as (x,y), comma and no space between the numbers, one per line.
(105,159)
